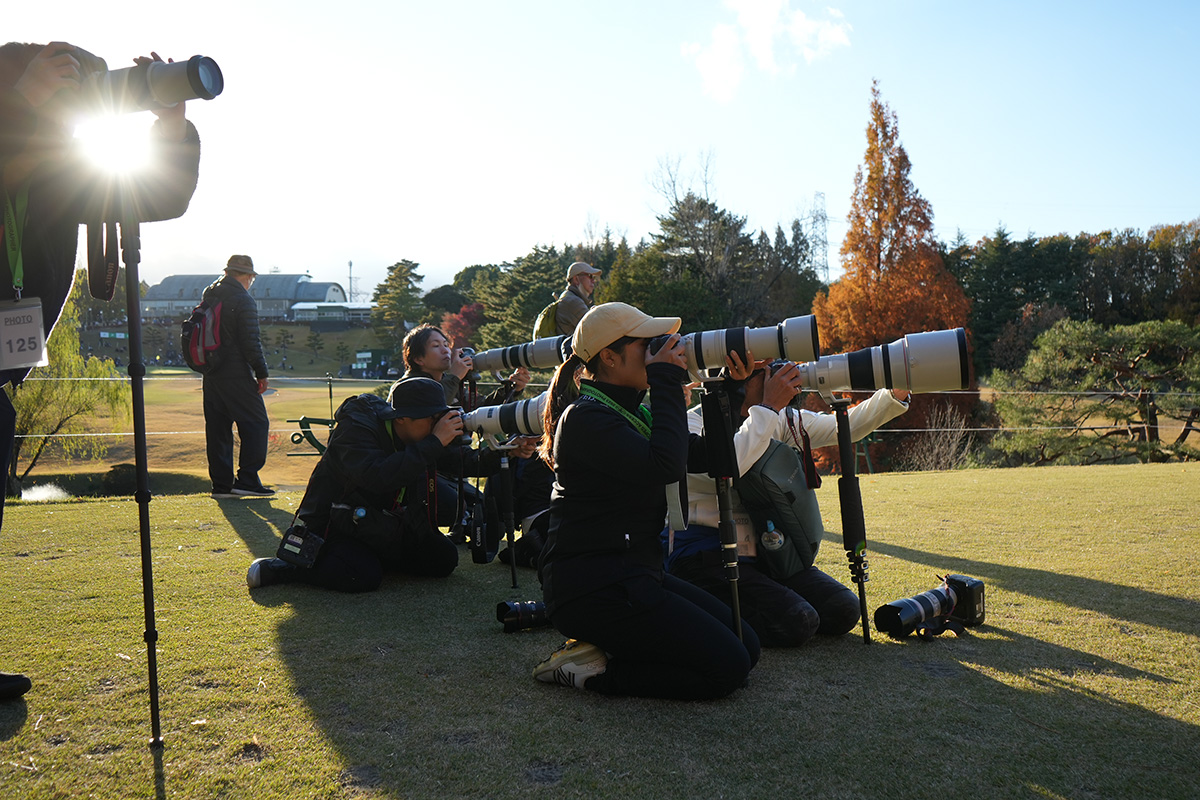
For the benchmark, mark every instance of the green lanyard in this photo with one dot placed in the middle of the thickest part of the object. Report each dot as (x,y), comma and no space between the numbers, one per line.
(14,226)
(642,424)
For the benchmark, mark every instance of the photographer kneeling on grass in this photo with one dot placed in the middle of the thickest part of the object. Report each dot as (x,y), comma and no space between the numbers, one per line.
(369,496)
(635,631)
(785,602)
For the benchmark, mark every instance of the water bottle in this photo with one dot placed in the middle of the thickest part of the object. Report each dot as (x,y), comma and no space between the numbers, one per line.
(771,539)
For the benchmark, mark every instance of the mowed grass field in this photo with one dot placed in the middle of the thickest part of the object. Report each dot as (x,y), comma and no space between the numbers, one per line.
(1083,683)
(175,433)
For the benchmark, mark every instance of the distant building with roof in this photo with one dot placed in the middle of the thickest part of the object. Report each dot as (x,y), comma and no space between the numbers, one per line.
(277,296)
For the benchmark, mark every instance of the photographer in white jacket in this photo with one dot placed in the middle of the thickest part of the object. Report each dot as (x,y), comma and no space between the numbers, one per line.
(785,612)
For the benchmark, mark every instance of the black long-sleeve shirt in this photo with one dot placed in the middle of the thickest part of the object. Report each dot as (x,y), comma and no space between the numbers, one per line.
(609,502)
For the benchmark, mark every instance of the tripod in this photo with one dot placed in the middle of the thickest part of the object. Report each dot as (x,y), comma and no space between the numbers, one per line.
(102,255)
(854,529)
(722,466)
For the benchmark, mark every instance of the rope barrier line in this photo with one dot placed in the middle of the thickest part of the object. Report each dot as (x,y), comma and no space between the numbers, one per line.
(290,431)
(373,382)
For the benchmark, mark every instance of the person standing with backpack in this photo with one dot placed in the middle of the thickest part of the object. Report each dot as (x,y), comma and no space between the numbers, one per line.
(233,390)
(577,298)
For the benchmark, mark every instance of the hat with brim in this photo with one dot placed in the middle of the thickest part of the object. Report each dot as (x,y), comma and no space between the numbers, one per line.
(242,264)
(416,398)
(581,268)
(605,324)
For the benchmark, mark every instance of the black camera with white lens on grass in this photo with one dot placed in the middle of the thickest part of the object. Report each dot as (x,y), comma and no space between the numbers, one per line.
(956,604)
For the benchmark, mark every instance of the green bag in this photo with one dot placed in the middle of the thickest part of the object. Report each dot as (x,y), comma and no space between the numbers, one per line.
(776,490)
(546,324)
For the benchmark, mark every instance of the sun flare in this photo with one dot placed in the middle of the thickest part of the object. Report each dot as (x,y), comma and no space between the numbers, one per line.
(114,143)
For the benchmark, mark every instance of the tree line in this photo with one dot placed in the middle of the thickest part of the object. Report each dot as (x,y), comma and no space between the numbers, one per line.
(1020,301)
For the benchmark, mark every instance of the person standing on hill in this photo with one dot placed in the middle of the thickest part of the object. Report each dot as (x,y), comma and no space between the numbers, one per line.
(577,298)
(233,391)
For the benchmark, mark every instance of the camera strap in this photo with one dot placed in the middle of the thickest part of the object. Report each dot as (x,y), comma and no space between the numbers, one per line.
(14,230)
(641,424)
(811,476)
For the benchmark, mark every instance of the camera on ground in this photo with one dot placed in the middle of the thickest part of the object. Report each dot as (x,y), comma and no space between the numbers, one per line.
(959,599)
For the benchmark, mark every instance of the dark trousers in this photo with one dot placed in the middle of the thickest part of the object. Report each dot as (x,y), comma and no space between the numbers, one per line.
(664,639)
(785,613)
(348,565)
(229,402)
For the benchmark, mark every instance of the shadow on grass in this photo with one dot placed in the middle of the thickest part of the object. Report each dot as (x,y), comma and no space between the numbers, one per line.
(1046,727)
(422,695)
(119,481)
(12,717)
(257,522)
(1178,614)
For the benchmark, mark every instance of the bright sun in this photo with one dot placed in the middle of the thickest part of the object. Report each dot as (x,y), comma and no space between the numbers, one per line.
(115,143)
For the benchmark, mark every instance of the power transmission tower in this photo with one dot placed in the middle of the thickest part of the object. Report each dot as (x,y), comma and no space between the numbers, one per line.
(819,224)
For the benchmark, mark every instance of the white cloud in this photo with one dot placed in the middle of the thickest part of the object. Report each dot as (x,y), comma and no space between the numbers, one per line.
(817,38)
(720,63)
(761,25)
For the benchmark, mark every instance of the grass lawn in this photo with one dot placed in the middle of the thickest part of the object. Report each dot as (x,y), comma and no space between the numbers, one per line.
(1083,683)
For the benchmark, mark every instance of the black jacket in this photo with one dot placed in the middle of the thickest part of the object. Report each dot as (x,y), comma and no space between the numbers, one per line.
(241,340)
(66,190)
(609,503)
(364,465)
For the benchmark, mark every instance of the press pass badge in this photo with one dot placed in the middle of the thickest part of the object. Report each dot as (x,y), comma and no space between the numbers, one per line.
(22,337)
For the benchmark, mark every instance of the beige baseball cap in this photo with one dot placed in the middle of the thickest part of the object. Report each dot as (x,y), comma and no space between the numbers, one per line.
(580,268)
(606,323)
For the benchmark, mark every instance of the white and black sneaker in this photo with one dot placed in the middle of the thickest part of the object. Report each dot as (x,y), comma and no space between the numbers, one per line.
(572,664)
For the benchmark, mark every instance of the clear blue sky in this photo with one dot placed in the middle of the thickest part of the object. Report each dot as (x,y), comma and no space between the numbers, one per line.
(462,133)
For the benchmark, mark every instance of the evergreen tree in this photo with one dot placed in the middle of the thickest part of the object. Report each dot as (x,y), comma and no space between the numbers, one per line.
(398,304)
(513,298)
(1089,394)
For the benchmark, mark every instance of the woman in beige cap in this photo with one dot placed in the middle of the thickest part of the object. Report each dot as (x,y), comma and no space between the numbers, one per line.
(634,630)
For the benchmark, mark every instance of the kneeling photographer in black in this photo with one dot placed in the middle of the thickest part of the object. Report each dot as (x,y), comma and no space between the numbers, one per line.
(634,631)
(370,495)
(50,188)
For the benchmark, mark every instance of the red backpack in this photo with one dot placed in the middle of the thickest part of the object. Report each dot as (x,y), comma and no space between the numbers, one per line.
(200,338)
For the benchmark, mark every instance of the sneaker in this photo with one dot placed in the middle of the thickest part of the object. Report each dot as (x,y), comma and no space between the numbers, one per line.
(13,685)
(243,490)
(572,664)
(259,573)
(222,494)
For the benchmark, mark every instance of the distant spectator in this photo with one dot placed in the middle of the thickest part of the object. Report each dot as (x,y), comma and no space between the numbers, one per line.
(233,391)
(577,298)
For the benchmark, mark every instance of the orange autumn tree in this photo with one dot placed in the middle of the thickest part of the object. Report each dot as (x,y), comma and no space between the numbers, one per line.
(895,282)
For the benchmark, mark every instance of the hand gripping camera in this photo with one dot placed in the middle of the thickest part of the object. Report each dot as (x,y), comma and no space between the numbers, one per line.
(145,86)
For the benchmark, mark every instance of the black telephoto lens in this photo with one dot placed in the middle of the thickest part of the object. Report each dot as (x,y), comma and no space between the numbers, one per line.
(522,616)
